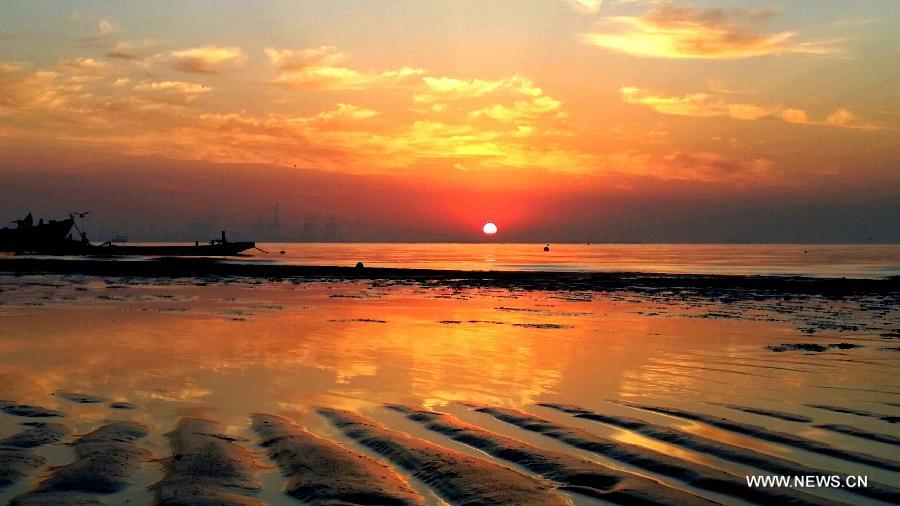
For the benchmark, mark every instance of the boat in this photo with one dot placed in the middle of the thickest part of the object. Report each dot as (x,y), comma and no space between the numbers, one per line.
(54,238)
(216,247)
(27,235)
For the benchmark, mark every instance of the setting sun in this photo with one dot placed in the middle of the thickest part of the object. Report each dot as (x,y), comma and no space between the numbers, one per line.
(489,228)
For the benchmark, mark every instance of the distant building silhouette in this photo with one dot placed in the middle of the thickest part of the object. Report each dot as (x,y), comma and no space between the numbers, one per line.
(201,229)
(309,231)
(275,225)
(331,231)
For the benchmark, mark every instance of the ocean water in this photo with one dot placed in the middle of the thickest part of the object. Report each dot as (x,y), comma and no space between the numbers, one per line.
(814,260)
(851,261)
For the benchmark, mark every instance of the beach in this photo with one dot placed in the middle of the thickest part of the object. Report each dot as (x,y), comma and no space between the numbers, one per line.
(246,384)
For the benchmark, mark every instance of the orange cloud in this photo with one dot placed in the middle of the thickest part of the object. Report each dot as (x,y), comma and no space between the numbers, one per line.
(449,88)
(152,121)
(316,68)
(521,110)
(341,78)
(703,105)
(706,166)
(698,105)
(171,92)
(206,59)
(588,6)
(21,92)
(511,100)
(150,118)
(126,50)
(83,65)
(795,116)
(498,126)
(668,31)
(847,119)
(297,59)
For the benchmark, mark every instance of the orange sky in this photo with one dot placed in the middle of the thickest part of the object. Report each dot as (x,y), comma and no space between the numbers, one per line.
(473,112)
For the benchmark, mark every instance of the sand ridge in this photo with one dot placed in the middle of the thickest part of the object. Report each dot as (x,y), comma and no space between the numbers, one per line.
(459,478)
(106,459)
(207,467)
(319,471)
(696,475)
(573,473)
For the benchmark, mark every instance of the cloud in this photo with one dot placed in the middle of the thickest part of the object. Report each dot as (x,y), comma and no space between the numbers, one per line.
(488,122)
(153,118)
(297,59)
(683,165)
(107,27)
(522,110)
(344,117)
(795,116)
(127,50)
(506,125)
(703,105)
(342,78)
(317,69)
(346,111)
(588,6)
(847,119)
(449,88)
(170,92)
(83,65)
(669,31)
(206,59)
(515,100)
(695,105)
(9,68)
(707,166)
(150,119)
(22,92)
(429,142)
(338,78)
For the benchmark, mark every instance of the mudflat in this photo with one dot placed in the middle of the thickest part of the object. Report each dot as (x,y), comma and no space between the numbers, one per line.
(417,387)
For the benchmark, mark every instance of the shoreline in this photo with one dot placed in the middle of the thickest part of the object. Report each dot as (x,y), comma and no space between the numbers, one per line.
(535,280)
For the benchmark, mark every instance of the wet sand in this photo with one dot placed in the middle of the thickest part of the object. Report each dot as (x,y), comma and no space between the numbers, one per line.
(144,384)
(530,280)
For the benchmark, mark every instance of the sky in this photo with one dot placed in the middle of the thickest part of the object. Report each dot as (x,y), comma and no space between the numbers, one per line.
(420,120)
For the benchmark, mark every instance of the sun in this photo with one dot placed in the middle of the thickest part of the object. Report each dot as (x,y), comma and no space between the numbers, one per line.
(489,228)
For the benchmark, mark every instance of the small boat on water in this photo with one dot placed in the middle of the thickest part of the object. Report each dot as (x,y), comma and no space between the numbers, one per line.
(54,238)
(216,247)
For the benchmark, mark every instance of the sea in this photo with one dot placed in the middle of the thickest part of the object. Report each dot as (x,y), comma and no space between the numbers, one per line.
(855,261)
(835,261)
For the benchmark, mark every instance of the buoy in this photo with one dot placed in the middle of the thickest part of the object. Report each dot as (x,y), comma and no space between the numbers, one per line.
(547,247)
